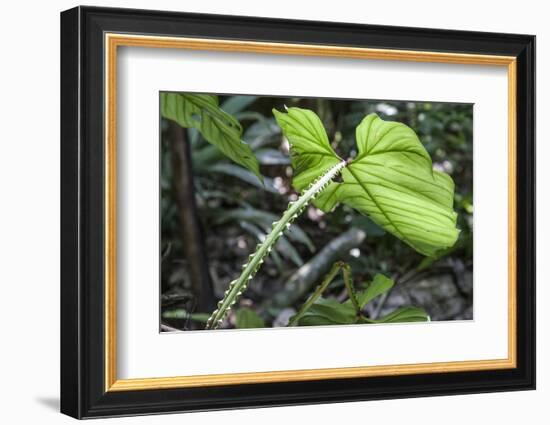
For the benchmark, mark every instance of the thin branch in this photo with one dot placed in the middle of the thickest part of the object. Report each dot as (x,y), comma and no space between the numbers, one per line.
(336,267)
(303,280)
(348,282)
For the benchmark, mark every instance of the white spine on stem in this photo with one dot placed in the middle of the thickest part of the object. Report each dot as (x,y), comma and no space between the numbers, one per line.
(237,286)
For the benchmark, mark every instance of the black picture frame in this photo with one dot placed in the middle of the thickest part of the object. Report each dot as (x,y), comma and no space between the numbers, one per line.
(83,392)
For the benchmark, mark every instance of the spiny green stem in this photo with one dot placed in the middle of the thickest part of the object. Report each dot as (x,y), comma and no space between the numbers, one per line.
(256,259)
(318,292)
(348,282)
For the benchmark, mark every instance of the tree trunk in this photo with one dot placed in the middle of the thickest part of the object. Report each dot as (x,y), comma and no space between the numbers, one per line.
(190,227)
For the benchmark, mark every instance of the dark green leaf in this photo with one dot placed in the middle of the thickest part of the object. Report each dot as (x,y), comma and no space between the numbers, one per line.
(264,219)
(283,246)
(248,318)
(287,250)
(272,157)
(366,224)
(181,313)
(379,285)
(244,175)
(328,312)
(262,133)
(404,314)
(238,103)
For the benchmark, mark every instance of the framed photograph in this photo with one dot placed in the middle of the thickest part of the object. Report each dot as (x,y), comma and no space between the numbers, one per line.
(261,212)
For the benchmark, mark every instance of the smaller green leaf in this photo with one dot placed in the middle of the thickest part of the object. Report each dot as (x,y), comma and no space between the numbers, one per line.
(379,285)
(404,314)
(202,112)
(248,319)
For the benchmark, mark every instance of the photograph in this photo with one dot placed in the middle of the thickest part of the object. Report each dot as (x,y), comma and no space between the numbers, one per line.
(309,211)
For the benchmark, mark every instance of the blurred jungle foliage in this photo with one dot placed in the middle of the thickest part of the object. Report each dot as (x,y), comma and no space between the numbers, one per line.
(233,210)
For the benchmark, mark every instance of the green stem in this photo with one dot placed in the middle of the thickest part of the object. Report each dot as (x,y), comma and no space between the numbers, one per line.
(348,282)
(318,291)
(256,259)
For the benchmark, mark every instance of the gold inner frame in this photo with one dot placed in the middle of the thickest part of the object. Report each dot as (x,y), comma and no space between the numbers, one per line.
(113,41)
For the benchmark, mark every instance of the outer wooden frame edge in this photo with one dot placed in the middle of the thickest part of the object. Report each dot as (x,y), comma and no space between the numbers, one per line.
(70,381)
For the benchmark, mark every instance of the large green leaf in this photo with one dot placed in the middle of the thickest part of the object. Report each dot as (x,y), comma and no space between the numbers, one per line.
(391,180)
(202,112)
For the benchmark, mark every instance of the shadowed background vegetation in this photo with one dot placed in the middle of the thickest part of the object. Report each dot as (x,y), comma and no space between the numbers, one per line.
(214,212)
